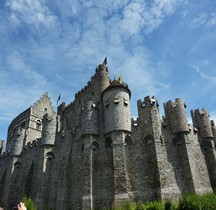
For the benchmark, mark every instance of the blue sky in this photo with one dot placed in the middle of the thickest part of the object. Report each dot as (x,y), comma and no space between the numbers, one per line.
(165,48)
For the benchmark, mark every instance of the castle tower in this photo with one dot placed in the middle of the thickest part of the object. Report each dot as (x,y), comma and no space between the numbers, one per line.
(116,101)
(205,135)
(202,122)
(18,143)
(151,141)
(100,81)
(89,118)
(176,116)
(48,130)
(90,132)
(117,125)
(103,75)
(183,150)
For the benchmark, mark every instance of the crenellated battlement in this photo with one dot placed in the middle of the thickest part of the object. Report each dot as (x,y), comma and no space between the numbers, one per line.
(176,117)
(93,143)
(147,102)
(202,122)
(134,122)
(148,110)
(61,108)
(97,78)
(83,90)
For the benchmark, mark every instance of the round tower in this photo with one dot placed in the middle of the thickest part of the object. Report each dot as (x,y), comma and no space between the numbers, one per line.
(176,116)
(18,141)
(116,102)
(202,122)
(49,130)
(89,118)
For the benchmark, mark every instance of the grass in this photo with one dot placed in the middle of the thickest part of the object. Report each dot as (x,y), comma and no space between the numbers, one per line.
(189,201)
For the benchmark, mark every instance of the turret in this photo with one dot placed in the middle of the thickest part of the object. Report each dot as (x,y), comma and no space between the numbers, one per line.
(116,102)
(49,130)
(102,72)
(89,117)
(176,116)
(18,141)
(202,122)
(149,118)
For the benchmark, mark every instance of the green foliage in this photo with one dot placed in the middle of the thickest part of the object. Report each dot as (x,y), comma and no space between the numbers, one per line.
(154,205)
(197,202)
(189,201)
(139,206)
(29,203)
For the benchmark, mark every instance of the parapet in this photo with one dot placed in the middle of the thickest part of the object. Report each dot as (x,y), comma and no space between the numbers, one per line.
(148,102)
(61,108)
(202,122)
(176,116)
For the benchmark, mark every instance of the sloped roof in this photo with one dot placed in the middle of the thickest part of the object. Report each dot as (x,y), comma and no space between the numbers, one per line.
(116,84)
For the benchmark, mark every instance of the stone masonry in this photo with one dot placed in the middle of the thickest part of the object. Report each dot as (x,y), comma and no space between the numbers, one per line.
(92,155)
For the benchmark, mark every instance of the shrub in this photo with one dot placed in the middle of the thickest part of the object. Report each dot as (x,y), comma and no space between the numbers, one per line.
(29,203)
(154,205)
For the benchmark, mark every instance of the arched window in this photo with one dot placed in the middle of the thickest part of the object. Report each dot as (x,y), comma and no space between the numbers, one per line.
(148,139)
(49,155)
(128,140)
(23,124)
(108,142)
(38,124)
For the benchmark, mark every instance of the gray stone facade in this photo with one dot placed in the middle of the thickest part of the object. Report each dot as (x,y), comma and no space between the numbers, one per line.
(91,154)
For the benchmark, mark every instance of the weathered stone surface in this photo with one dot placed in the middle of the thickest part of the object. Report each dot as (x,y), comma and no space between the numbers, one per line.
(91,155)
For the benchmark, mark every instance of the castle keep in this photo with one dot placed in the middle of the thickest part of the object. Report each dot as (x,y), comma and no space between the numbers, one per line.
(91,154)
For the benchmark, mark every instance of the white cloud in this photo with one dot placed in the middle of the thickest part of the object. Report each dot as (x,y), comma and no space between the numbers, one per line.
(31,12)
(204,76)
(204,19)
(47,45)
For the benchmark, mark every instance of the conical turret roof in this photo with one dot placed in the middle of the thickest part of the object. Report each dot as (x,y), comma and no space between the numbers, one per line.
(116,84)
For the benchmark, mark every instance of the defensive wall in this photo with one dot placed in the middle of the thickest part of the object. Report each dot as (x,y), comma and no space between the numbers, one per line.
(91,154)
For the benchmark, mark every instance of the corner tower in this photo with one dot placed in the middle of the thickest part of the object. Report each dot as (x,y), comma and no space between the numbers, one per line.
(117,129)
(116,102)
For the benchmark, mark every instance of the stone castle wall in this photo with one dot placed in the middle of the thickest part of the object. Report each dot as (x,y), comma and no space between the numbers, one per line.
(92,155)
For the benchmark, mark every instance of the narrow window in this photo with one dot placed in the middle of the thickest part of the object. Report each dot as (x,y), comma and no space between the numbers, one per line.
(116,100)
(107,103)
(125,102)
(23,124)
(82,148)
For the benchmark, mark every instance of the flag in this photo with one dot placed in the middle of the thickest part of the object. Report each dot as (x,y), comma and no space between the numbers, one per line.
(120,78)
(59,97)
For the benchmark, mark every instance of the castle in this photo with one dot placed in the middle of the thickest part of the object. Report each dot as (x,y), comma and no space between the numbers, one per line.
(91,154)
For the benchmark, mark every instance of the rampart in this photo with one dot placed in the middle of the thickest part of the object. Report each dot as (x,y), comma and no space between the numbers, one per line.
(91,154)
